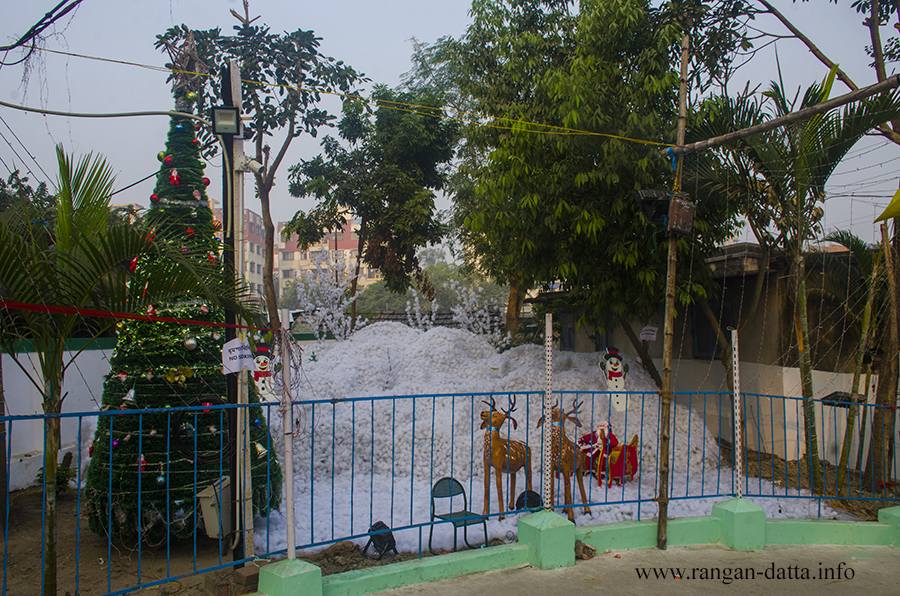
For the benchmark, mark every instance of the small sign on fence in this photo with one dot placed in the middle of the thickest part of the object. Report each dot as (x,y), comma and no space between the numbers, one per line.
(237,356)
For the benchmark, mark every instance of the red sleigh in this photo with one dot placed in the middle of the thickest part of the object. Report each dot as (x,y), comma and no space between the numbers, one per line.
(606,456)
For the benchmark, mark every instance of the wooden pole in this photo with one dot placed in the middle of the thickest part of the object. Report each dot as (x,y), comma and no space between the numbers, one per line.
(669,329)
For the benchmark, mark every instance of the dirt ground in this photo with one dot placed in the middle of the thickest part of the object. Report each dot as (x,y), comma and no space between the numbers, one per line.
(101,571)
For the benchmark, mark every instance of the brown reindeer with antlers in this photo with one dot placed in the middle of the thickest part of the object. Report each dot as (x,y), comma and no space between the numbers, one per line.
(565,456)
(504,455)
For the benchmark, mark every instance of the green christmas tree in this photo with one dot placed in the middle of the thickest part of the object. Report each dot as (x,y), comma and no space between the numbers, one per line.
(145,471)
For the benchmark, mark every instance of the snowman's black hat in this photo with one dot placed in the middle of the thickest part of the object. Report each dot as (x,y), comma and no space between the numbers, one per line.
(612,353)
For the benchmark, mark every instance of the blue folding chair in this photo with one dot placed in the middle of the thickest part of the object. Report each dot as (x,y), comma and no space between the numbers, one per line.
(447,488)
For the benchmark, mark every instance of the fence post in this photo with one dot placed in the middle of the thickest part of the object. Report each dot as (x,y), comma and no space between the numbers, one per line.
(547,464)
(738,442)
(287,421)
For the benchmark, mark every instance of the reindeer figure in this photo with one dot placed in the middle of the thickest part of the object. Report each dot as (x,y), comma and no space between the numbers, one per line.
(565,456)
(505,456)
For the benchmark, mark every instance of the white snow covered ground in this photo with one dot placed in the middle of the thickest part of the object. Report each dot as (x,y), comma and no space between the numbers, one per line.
(383,455)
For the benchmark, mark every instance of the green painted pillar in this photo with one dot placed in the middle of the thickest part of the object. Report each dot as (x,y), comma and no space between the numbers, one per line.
(290,577)
(550,539)
(743,524)
(891,517)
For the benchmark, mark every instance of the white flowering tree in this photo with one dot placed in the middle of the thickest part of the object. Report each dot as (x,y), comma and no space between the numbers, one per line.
(325,298)
(475,315)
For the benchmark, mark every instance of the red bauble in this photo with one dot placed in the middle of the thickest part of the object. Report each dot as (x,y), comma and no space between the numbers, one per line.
(189,232)
(196,141)
(134,263)
(206,181)
(154,198)
(168,160)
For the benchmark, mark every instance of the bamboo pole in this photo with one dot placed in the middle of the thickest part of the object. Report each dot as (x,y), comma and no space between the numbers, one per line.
(669,330)
(820,108)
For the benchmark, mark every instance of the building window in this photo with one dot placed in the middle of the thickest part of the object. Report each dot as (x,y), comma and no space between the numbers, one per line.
(252,267)
(287,256)
(251,247)
(258,249)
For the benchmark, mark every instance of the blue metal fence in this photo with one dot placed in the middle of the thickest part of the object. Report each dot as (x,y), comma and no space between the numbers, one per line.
(366,459)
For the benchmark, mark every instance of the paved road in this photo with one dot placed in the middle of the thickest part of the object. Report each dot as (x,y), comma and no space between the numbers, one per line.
(706,569)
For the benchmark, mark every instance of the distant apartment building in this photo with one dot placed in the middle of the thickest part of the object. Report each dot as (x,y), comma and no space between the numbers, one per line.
(253,250)
(341,246)
(290,260)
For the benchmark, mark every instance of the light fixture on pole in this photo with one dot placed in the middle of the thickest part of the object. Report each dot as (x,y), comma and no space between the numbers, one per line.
(226,121)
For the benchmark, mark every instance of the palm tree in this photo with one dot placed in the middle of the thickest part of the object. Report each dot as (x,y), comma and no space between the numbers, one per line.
(52,271)
(850,283)
(786,170)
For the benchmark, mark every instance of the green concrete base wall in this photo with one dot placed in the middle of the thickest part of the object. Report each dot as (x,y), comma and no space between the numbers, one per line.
(547,541)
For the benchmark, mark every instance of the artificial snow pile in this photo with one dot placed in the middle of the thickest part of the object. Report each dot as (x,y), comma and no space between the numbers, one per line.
(383,455)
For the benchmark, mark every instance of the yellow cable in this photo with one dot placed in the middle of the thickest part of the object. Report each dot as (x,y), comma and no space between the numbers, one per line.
(475,118)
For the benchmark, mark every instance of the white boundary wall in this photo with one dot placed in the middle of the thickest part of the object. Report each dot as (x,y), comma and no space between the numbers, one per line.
(83,388)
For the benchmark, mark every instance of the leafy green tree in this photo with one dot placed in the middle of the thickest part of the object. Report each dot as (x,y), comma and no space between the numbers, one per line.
(284,77)
(556,204)
(83,263)
(16,192)
(386,180)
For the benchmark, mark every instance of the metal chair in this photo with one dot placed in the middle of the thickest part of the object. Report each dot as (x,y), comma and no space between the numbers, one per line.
(447,488)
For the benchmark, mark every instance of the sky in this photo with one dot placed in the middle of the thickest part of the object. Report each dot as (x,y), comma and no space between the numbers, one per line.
(373,37)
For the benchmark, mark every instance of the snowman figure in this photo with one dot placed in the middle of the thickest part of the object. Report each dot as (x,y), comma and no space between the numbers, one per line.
(263,362)
(614,371)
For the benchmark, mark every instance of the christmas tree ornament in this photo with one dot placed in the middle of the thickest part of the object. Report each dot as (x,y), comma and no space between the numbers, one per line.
(134,263)
(216,335)
(204,309)
(122,376)
(206,181)
(142,463)
(129,397)
(191,96)
(189,232)
(190,343)
(260,450)
(196,142)
(154,198)
(161,479)
(168,160)
(197,126)
(197,196)
(174,178)
(179,127)
(202,164)
(161,155)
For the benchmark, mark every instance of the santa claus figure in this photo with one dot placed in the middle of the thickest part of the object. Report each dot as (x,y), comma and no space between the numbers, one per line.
(614,371)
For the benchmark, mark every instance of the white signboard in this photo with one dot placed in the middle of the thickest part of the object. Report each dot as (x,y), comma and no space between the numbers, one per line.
(649,333)
(237,356)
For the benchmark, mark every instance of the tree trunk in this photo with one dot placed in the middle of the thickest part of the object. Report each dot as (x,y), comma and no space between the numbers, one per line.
(4,487)
(644,353)
(857,373)
(354,283)
(51,457)
(268,269)
(514,303)
(809,413)
(879,461)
